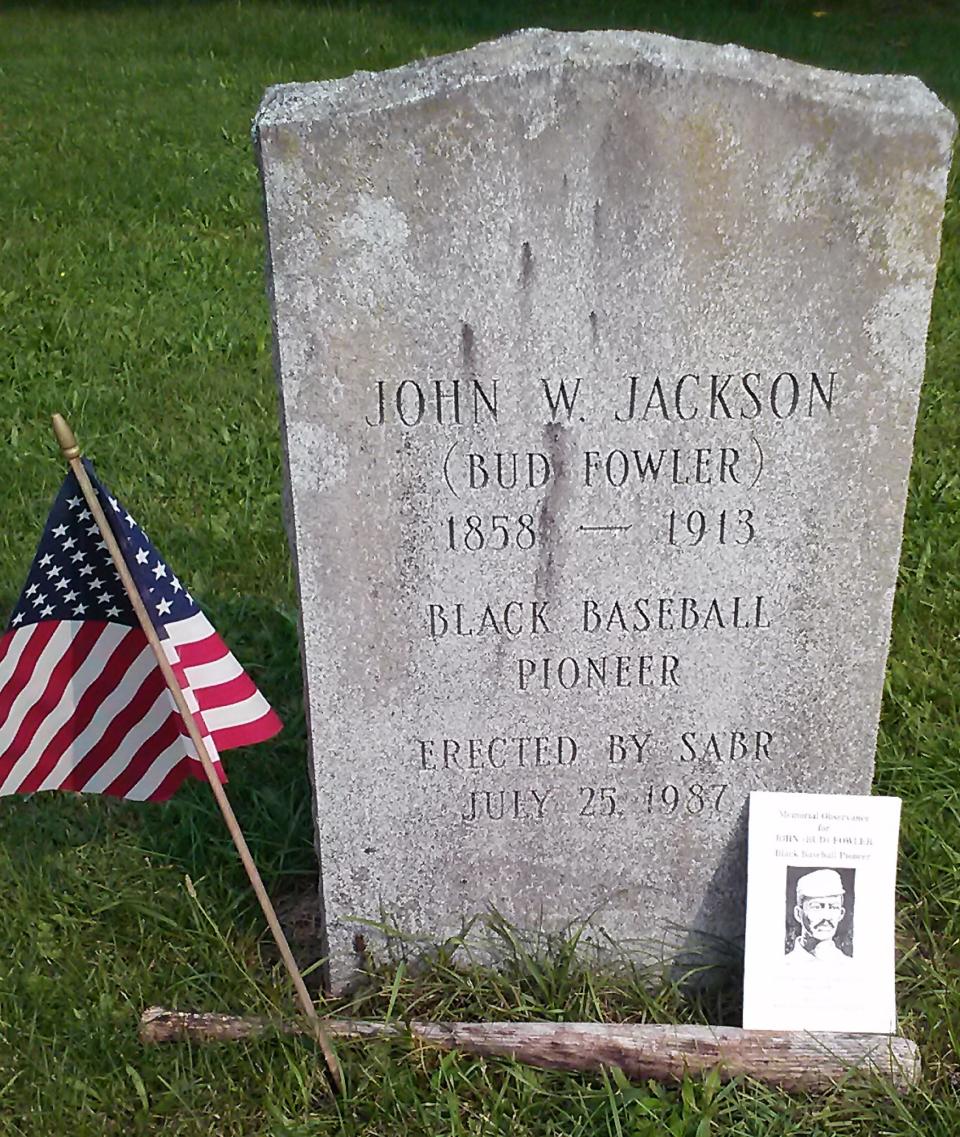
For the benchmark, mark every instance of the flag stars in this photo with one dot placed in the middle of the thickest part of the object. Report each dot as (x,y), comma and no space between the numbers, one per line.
(163,608)
(86,570)
(94,528)
(175,585)
(114,504)
(47,611)
(69,596)
(142,556)
(98,583)
(80,609)
(159,570)
(74,503)
(68,544)
(32,589)
(61,583)
(18,619)
(79,555)
(129,520)
(45,560)
(113,610)
(54,572)
(83,515)
(39,599)
(60,531)
(103,597)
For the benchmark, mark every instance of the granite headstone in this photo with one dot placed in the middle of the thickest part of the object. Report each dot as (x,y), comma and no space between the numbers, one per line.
(599,359)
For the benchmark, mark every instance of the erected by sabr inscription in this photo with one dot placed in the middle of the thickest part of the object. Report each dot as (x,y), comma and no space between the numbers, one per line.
(599,359)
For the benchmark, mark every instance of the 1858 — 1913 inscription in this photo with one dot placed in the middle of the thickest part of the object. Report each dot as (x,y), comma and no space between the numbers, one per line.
(599,360)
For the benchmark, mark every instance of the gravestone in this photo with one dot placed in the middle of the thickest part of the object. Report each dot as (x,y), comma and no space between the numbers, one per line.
(599,359)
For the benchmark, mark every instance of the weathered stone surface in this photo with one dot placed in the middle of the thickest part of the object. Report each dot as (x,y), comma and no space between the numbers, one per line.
(599,358)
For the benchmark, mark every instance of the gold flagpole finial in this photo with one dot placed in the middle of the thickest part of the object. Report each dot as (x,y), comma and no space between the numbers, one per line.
(66,438)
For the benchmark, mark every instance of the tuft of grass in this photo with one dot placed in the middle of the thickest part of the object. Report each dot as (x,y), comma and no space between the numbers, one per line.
(132,299)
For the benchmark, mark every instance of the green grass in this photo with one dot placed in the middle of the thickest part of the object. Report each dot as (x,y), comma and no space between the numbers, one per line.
(132,299)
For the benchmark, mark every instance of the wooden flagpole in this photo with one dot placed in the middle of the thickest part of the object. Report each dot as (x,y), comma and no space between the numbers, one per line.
(71,452)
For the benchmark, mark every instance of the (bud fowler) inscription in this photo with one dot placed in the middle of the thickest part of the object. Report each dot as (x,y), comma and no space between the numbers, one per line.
(533,629)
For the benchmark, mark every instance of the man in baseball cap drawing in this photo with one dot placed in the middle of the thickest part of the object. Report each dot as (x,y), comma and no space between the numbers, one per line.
(819,910)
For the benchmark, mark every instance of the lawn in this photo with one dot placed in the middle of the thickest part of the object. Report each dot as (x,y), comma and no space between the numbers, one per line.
(132,299)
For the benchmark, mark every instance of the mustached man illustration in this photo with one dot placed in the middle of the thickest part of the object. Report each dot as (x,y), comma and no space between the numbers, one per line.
(818,911)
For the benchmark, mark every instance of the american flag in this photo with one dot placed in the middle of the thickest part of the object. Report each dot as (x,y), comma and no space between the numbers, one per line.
(83,703)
